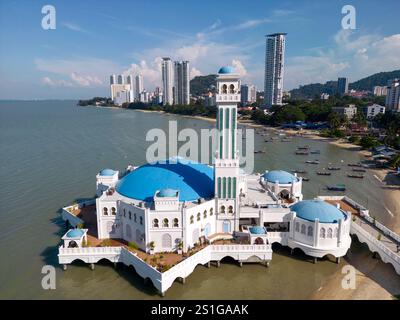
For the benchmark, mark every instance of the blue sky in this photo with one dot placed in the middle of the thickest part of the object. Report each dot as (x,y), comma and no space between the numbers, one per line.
(93,39)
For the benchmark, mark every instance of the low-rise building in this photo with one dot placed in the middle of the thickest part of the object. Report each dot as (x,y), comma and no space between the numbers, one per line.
(373,110)
(349,110)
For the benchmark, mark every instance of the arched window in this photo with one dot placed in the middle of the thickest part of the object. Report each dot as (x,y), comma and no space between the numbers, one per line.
(303,229)
(230,209)
(191,219)
(113,212)
(141,220)
(155,223)
(310,231)
(124,212)
(198,216)
(165,223)
(297,228)
(130,215)
(134,217)
(222,209)
(330,232)
(224,89)
(176,223)
(211,211)
(205,214)
(105,211)
(322,233)
(231,88)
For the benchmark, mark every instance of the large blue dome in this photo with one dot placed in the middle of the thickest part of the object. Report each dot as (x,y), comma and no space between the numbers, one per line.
(317,209)
(226,70)
(193,180)
(282,177)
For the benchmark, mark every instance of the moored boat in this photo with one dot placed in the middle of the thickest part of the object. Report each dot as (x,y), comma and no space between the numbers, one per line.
(358,176)
(323,173)
(337,187)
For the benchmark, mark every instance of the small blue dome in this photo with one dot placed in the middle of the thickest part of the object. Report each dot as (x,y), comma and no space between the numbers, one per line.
(226,70)
(282,177)
(167,193)
(257,230)
(193,180)
(107,172)
(75,233)
(317,209)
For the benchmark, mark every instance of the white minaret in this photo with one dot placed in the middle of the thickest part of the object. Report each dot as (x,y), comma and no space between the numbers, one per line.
(226,167)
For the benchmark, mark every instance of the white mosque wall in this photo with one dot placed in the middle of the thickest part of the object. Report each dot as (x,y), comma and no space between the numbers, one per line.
(200,225)
(165,229)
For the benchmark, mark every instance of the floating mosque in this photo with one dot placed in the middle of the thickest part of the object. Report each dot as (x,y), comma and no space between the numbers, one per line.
(202,213)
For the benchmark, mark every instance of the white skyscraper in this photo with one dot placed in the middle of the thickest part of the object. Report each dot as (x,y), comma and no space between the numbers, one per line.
(138,86)
(393,95)
(168,81)
(274,68)
(121,79)
(182,77)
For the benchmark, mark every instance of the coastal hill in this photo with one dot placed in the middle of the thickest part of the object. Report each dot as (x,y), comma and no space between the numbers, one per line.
(202,84)
(315,89)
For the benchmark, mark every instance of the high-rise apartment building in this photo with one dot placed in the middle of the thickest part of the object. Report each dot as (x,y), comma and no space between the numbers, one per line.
(168,81)
(138,86)
(248,94)
(393,95)
(181,82)
(342,86)
(274,69)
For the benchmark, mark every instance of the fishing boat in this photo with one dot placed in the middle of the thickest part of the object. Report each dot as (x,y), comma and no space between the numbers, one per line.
(337,187)
(315,152)
(305,178)
(333,168)
(303,147)
(259,151)
(355,164)
(358,176)
(323,173)
(359,170)
(299,171)
(302,153)
(312,161)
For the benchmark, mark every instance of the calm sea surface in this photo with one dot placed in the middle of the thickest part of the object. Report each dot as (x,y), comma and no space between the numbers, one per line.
(50,154)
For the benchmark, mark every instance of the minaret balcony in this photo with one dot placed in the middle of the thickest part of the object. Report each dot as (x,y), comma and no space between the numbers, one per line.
(227,97)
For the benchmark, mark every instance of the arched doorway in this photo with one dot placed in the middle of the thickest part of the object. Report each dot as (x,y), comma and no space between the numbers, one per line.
(72,244)
(195,235)
(284,194)
(259,241)
(166,241)
(207,230)
(226,226)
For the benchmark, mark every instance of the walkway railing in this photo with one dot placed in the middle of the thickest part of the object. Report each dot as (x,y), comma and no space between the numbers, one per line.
(379,246)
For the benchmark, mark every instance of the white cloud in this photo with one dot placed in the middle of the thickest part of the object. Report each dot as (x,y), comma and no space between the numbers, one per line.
(353,55)
(74,27)
(239,67)
(194,73)
(84,72)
